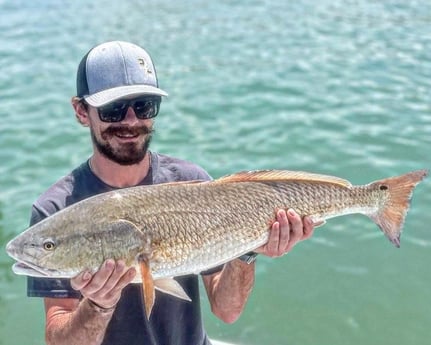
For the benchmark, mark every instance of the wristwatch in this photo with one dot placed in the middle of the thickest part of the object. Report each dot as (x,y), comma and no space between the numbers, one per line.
(248,258)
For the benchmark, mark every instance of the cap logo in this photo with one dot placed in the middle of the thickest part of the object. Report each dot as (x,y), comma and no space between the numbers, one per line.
(143,63)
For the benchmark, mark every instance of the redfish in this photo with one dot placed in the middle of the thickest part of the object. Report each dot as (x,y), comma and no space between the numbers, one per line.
(185,228)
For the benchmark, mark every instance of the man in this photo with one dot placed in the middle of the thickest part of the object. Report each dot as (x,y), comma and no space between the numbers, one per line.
(117,98)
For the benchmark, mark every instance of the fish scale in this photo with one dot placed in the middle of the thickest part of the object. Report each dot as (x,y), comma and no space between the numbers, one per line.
(211,227)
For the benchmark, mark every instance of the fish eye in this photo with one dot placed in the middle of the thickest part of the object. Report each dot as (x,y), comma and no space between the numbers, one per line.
(48,245)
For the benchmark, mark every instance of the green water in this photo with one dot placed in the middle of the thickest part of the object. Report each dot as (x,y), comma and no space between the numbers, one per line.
(331,86)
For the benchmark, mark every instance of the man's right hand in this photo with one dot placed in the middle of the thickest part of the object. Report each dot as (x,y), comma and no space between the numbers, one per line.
(104,287)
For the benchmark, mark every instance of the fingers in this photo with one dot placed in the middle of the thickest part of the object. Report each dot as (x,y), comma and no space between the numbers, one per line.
(308,228)
(273,244)
(296,229)
(286,232)
(81,280)
(120,277)
(105,286)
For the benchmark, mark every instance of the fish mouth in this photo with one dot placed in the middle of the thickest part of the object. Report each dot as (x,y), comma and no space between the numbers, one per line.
(23,267)
(28,269)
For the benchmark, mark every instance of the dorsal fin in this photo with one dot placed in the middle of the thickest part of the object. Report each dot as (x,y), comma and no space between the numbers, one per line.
(183,182)
(281,175)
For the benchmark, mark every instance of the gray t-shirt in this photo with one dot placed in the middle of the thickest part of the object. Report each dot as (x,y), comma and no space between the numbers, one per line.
(173,321)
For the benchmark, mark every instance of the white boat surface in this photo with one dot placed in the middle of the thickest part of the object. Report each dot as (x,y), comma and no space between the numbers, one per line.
(218,342)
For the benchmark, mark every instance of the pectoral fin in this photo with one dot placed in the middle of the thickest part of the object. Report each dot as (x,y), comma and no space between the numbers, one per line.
(147,285)
(171,287)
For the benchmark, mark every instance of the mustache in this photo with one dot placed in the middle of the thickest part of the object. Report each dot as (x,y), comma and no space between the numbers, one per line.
(126,130)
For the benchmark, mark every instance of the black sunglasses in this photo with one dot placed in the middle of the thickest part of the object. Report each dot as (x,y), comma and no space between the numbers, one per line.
(145,107)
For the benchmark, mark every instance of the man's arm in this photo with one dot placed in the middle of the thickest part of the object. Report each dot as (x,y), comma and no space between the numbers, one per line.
(70,321)
(228,290)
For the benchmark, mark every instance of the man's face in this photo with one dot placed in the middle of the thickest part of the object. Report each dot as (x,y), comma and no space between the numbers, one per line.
(125,142)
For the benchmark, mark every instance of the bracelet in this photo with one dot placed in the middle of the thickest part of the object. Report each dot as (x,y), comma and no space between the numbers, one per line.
(99,308)
(248,258)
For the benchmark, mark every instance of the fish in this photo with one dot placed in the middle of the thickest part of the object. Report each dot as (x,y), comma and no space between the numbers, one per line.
(182,228)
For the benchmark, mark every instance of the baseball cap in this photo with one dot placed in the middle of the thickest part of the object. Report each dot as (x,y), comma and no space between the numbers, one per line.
(115,70)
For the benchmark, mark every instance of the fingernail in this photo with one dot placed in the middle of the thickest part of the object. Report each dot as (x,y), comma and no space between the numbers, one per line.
(121,265)
(291,211)
(86,276)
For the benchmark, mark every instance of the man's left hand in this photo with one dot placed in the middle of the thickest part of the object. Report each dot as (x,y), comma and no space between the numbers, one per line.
(286,232)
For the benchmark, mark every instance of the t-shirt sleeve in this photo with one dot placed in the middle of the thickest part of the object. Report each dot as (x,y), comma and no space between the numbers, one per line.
(50,287)
(212,270)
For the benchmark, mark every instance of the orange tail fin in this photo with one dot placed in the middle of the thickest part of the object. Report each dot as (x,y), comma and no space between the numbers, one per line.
(390,218)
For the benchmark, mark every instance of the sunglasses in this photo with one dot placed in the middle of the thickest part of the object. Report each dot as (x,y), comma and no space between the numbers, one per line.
(145,107)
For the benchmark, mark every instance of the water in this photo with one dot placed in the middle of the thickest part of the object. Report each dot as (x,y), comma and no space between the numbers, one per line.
(338,87)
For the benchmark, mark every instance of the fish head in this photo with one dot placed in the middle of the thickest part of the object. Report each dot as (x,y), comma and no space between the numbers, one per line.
(45,251)
(32,253)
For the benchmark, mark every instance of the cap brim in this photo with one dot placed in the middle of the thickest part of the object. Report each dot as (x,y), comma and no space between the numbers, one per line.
(107,96)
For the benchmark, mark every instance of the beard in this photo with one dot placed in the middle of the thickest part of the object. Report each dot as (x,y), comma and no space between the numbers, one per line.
(129,153)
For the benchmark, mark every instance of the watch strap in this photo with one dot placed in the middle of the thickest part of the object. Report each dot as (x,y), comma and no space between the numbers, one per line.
(248,258)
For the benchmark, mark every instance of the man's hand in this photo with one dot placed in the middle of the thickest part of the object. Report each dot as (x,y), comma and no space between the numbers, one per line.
(104,287)
(286,232)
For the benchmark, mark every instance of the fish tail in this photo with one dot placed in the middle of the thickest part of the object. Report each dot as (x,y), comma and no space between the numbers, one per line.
(391,215)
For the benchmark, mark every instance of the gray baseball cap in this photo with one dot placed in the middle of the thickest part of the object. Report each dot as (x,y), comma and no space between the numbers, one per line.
(115,70)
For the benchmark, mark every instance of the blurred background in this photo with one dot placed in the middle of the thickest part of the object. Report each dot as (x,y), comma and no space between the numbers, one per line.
(336,87)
